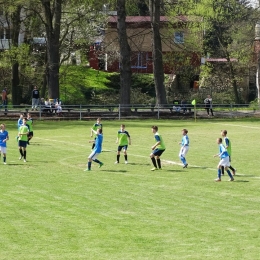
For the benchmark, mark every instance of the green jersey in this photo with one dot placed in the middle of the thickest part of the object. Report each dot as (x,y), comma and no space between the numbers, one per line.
(123,137)
(228,145)
(96,126)
(24,130)
(30,125)
(158,138)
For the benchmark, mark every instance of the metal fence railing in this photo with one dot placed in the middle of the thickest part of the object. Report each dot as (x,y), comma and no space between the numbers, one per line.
(119,111)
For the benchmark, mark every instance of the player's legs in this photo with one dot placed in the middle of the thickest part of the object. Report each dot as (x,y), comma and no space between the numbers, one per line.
(182,155)
(3,152)
(125,153)
(119,148)
(155,157)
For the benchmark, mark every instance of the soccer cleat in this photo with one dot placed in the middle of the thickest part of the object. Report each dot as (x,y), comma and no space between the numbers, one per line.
(20,158)
(234,172)
(86,170)
(126,162)
(4,162)
(222,173)
(24,160)
(185,166)
(154,169)
(217,180)
(116,162)
(232,179)
(100,165)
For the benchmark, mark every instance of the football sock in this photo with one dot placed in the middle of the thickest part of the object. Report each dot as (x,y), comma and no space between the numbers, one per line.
(4,159)
(96,160)
(117,157)
(219,173)
(159,163)
(21,152)
(126,157)
(93,145)
(229,174)
(154,162)
(231,168)
(24,155)
(89,165)
(183,160)
(223,169)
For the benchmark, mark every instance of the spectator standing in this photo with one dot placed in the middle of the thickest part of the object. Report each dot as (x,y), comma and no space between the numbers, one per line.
(208,105)
(4,99)
(35,98)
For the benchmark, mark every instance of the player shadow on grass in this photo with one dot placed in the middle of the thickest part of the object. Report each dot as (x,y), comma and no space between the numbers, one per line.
(114,171)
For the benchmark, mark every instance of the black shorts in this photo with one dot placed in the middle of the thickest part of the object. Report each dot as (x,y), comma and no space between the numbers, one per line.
(158,152)
(22,143)
(119,148)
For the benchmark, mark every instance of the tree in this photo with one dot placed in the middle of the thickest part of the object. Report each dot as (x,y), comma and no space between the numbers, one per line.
(228,28)
(125,54)
(158,71)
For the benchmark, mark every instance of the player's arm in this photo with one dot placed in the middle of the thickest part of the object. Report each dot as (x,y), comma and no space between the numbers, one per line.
(157,143)
(93,131)
(129,138)
(6,139)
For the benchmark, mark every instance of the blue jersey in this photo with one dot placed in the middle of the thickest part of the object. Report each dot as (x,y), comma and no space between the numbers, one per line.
(185,141)
(3,135)
(98,143)
(222,151)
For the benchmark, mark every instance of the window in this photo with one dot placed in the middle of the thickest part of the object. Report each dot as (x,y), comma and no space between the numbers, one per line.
(179,37)
(139,60)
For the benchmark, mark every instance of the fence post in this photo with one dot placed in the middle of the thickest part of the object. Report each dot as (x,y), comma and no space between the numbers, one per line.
(119,112)
(40,111)
(158,111)
(80,112)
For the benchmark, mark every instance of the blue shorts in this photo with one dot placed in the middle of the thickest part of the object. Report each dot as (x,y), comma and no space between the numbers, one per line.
(158,152)
(22,143)
(119,148)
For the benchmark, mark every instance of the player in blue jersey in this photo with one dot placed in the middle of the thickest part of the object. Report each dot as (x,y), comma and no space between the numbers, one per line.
(123,140)
(158,148)
(3,138)
(97,149)
(95,127)
(224,160)
(184,147)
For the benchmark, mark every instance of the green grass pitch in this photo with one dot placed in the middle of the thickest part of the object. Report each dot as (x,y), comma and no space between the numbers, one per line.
(51,209)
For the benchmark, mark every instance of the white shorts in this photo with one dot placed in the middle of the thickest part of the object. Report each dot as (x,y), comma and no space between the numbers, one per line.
(2,149)
(224,162)
(93,155)
(183,151)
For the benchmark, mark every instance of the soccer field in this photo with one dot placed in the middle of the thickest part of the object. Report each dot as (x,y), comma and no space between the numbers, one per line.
(52,209)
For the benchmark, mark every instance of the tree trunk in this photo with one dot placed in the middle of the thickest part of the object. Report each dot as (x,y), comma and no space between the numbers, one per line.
(52,26)
(125,58)
(158,72)
(16,88)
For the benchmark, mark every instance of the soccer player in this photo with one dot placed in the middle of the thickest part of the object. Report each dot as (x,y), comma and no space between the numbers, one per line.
(30,126)
(184,147)
(123,139)
(95,127)
(23,139)
(224,160)
(3,138)
(227,144)
(97,149)
(158,148)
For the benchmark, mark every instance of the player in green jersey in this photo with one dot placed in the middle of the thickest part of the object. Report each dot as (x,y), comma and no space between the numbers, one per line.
(30,126)
(123,140)
(227,144)
(23,139)
(158,148)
